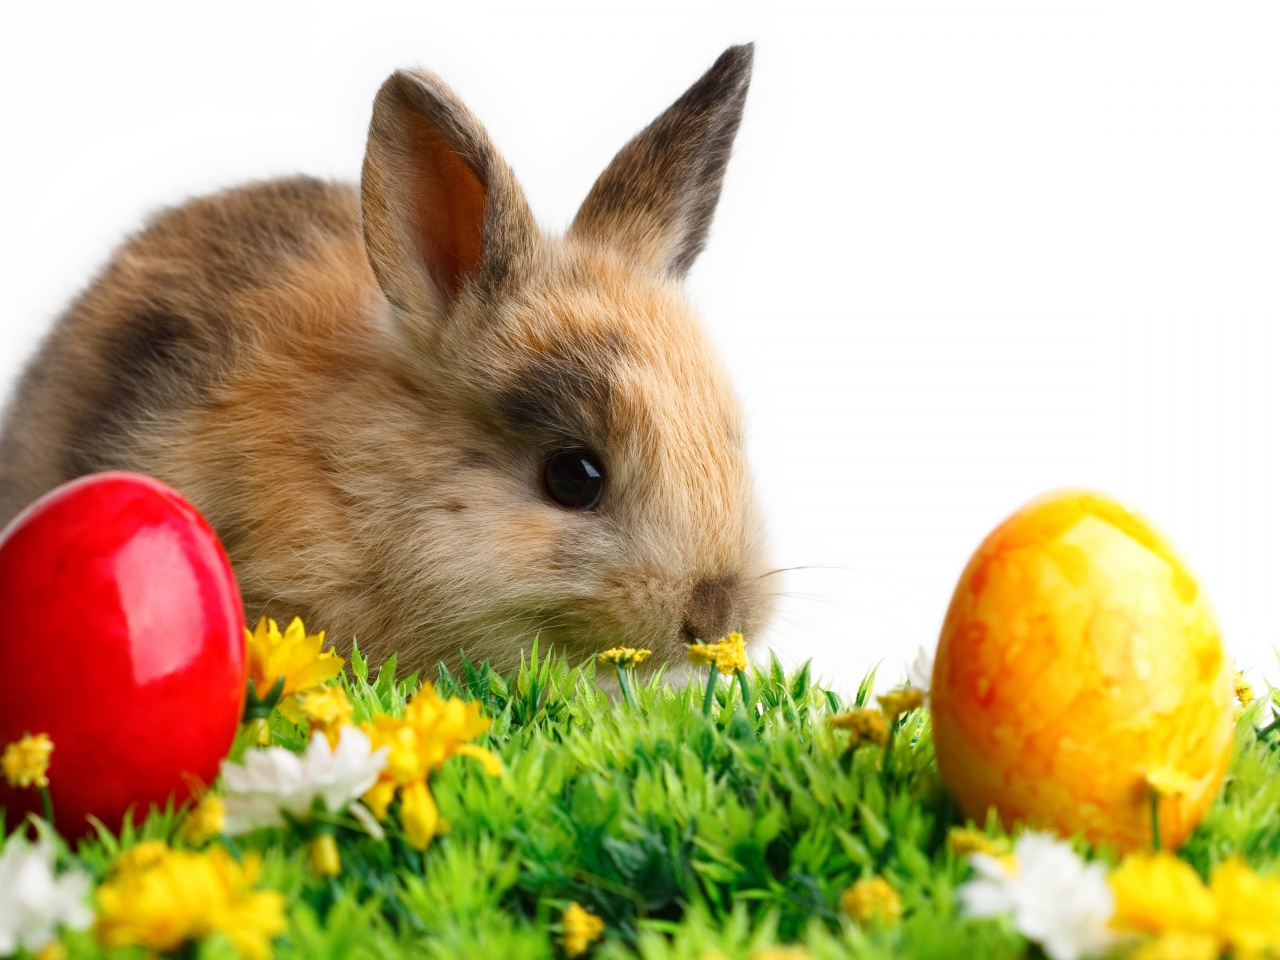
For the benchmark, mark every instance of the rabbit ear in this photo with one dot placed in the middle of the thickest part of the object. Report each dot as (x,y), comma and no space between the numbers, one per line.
(656,199)
(441,209)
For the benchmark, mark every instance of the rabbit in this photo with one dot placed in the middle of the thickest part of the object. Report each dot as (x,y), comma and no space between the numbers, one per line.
(413,417)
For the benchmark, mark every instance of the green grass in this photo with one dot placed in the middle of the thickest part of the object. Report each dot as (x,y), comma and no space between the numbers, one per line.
(691,836)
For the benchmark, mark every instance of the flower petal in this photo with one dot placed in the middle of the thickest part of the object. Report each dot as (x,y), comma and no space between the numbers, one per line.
(418,814)
(492,765)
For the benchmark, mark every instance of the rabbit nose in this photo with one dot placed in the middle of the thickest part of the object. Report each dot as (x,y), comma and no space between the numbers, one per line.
(710,613)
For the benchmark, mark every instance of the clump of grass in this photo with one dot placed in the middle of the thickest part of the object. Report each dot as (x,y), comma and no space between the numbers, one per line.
(690,834)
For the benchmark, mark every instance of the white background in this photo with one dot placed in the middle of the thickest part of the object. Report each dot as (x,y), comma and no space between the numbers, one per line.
(966,253)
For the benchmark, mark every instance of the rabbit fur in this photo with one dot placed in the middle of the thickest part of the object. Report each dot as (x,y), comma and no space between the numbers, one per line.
(360,390)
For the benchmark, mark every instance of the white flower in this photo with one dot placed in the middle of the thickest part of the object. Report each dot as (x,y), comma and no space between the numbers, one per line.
(920,673)
(34,902)
(990,893)
(1056,899)
(274,780)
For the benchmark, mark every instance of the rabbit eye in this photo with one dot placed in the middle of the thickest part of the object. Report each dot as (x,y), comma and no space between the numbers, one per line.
(574,479)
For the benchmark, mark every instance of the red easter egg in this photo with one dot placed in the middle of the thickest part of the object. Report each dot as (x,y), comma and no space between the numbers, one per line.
(122,639)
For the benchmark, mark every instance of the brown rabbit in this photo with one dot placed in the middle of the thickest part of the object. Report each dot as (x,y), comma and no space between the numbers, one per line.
(412,416)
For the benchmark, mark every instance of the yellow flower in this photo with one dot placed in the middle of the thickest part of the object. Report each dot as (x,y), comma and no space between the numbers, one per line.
(204,822)
(1158,893)
(379,798)
(732,656)
(897,702)
(328,710)
(405,762)
(781,953)
(864,725)
(419,814)
(1244,692)
(701,654)
(872,900)
(431,731)
(326,860)
(728,655)
(444,726)
(293,655)
(26,761)
(964,841)
(181,896)
(141,856)
(581,929)
(622,657)
(1248,909)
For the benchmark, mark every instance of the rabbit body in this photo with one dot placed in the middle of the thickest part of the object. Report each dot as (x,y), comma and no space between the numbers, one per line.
(361,390)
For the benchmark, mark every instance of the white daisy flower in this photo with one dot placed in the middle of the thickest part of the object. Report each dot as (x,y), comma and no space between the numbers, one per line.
(920,673)
(35,902)
(991,892)
(1056,899)
(275,781)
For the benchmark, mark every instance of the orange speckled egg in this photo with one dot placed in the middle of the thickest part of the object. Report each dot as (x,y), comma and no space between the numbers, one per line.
(1079,662)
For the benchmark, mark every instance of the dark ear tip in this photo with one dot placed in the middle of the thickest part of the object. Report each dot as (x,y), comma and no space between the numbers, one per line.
(737,59)
(399,88)
(416,88)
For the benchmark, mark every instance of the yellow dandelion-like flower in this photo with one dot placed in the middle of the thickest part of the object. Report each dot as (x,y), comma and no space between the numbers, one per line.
(1157,893)
(622,657)
(26,761)
(139,858)
(964,840)
(181,897)
(431,731)
(581,929)
(1248,909)
(294,655)
(728,655)
(864,725)
(701,654)
(872,900)
(328,710)
(1244,692)
(205,821)
(732,656)
(897,702)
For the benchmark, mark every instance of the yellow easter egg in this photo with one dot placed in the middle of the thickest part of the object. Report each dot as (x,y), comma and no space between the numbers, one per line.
(1078,670)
